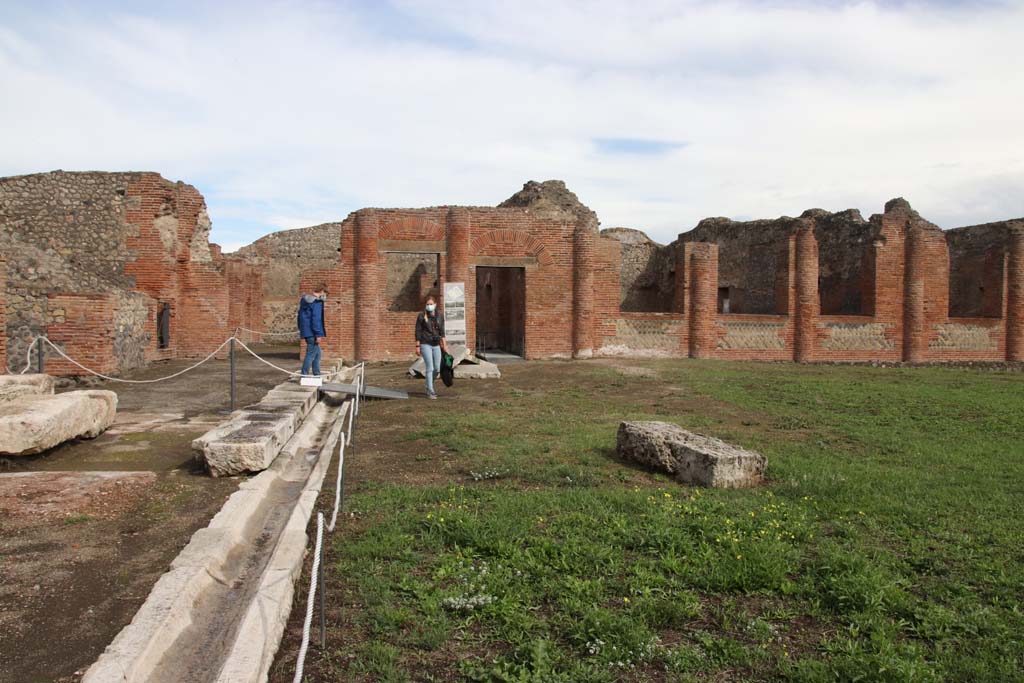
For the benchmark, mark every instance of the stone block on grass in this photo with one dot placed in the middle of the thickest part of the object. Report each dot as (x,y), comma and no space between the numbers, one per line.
(691,458)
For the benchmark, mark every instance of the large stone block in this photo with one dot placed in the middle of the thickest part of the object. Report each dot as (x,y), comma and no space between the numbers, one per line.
(482,370)
(13,386)
(242,445)
(36,422)
(691,458)
(460,355)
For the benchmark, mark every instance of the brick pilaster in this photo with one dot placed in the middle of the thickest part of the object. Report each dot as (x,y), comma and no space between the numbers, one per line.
(583,292)
(703,266)
(915,330)
(1015,294)
(368,285)
(807,303)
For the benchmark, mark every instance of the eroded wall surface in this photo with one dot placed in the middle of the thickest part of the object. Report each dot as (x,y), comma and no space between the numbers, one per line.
(92,256)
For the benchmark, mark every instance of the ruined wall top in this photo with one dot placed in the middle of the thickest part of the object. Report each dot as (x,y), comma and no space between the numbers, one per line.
(317,242)
(551,197)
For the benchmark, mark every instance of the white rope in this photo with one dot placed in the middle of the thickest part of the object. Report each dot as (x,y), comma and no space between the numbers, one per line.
(310,601)
(337,485)
(267,362)
(270,334)
(134,381)
(28,357)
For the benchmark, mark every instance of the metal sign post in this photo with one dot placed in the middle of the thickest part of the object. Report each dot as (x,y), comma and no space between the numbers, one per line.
(231,354)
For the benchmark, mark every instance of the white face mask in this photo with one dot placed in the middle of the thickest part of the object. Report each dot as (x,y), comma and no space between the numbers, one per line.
(431,307)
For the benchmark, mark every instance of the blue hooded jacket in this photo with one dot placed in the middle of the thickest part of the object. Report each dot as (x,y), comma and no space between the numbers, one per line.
(311,317)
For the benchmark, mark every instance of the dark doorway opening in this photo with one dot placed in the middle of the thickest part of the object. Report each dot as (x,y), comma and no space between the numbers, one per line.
(163,325)
(501,310)
(724,304)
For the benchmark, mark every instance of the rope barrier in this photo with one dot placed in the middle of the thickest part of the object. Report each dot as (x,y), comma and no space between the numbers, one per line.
(337,485)
(131,381)
(310,601)
(267,362)
(269,334)
(28,356)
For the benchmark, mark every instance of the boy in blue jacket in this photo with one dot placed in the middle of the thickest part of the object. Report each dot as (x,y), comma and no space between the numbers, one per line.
(311,328)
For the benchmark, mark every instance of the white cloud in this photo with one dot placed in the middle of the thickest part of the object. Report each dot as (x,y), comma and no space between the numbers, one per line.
(289,113)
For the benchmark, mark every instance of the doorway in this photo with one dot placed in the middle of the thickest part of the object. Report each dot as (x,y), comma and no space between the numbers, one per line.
(500,311)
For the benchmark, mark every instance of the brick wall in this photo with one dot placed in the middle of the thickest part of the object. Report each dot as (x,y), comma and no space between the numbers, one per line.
(92,256)
(82,327)
(134,239)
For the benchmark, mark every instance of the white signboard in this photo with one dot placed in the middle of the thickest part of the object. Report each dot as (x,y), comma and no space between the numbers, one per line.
(455,312)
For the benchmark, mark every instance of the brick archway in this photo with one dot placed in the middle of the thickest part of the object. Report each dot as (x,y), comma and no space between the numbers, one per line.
(510,243)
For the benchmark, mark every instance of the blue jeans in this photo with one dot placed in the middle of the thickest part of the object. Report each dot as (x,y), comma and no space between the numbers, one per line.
(432,359)
(311,363)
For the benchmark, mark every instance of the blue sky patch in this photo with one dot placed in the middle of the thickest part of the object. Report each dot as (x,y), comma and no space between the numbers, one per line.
(637,146)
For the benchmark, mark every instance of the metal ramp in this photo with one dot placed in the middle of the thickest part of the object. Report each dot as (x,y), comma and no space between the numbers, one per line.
(368,392)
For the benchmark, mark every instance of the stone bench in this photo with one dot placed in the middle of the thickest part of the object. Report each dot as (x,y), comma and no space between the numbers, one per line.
(691,458)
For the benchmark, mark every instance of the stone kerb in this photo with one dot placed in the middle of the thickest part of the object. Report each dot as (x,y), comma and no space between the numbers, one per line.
(691,458)
(255,435)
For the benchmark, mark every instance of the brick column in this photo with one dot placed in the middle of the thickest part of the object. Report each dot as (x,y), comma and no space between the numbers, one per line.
(806,285)
(368,286)
(679,291)
(1015,295)
(583,292)
(457,231)
(915,337)
(703,298)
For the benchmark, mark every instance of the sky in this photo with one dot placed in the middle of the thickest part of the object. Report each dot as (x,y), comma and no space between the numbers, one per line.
(656,113)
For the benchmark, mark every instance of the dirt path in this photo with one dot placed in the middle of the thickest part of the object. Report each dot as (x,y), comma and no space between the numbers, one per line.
(88,527)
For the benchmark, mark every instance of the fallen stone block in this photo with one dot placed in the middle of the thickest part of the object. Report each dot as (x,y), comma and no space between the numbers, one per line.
(482,370)
(460,355)
(691,458)
(13,386)
(36,422)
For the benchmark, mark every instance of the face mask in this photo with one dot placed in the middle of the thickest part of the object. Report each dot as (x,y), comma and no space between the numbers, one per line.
(430,308)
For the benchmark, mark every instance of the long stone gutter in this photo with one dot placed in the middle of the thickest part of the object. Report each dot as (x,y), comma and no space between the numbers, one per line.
(219,613)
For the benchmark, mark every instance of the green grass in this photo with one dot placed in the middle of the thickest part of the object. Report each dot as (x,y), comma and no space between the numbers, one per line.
(887,546)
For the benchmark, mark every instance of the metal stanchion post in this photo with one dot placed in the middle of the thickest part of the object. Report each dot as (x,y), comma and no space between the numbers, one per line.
(40,359)
(231,354)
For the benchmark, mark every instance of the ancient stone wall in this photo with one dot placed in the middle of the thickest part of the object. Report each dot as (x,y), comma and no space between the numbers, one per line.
(646,271)
(93,256)
(976,255)
(752,258)
(3,315)
(283,257)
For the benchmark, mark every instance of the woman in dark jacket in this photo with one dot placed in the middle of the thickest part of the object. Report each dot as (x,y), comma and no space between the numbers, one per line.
(430,342)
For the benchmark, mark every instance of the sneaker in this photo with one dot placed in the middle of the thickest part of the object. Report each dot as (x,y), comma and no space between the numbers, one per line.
(431,395)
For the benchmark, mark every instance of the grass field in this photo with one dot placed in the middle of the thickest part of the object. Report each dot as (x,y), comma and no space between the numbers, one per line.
(498,538)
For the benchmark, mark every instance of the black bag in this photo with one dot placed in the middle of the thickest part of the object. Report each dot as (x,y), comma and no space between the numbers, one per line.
(447,369)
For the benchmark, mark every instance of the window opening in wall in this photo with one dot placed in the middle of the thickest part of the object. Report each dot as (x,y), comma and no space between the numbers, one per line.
(723,299)
(500,311)
(163,325)
(411,278)
(975,282)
